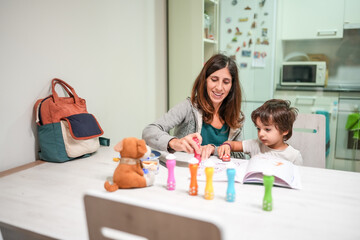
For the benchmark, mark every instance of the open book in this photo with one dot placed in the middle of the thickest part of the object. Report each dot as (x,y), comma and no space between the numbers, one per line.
(250,171)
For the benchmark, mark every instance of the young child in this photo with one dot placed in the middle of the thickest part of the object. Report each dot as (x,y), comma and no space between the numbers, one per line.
(274,122)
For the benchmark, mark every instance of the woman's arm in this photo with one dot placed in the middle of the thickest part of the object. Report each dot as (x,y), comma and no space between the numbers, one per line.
(156,134)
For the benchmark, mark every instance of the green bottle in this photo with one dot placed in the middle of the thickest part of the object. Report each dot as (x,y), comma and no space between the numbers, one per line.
(268,184)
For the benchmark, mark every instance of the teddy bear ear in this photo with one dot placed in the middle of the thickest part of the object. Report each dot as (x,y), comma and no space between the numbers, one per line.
(141,145)
(119,146)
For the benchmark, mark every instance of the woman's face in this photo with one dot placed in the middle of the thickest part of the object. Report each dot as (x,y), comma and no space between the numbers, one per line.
(218,86)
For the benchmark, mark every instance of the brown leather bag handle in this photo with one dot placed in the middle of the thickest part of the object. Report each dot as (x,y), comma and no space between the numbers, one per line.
(67,88)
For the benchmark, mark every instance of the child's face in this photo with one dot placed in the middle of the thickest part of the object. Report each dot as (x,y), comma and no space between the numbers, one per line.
(269,135)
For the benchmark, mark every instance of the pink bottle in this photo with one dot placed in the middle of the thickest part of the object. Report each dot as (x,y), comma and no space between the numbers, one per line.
(170,164)
(197,155)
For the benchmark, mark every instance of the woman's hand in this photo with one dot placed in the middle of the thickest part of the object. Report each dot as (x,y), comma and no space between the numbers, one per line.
(206,151)
(223,150)
(186,144)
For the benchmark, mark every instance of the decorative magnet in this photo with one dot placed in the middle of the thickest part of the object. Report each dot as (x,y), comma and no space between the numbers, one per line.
(263,54)
(234,2)
(250,42)
(229,30)
(265,42)
(246,53)
(243,19)
(228,20)
(237,50)
(238,31)
(264,32)
(247,8)
(255,15)
(228,46)
(266,13)
(234,39)
(244,44)
(253,25)
(243,65)
(249,33)
(256,54)
(258,42)
(262,3)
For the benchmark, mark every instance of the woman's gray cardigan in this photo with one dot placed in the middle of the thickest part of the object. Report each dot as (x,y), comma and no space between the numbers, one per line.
(186,119)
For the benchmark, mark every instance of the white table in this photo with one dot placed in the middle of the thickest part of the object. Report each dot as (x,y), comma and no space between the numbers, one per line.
(48,200)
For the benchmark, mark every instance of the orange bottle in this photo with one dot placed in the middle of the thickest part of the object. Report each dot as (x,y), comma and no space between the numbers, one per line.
(193,166)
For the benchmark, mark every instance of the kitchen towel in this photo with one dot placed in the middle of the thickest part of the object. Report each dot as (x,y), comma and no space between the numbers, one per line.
(327,127)
(353,124)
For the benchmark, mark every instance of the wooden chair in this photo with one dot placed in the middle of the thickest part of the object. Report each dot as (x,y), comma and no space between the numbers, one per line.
(309,138)
(109,216)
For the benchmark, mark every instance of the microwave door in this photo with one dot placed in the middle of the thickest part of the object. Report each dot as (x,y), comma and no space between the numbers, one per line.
(299,75)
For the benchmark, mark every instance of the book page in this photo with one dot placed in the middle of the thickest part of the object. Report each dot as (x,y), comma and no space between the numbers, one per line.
(284,171)
(220,169)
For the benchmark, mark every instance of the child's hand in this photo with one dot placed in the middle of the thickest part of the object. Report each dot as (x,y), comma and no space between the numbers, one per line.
(224,149)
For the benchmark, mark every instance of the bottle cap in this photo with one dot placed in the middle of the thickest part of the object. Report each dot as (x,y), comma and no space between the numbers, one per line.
(230,165)
(268,172)
(209,163)
(170,157)
(193,161)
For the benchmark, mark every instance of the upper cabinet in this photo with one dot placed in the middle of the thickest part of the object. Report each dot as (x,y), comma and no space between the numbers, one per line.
(192,39)
(309,19)
(352,14)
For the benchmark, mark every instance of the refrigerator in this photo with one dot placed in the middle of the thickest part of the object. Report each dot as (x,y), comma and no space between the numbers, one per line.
(247,34)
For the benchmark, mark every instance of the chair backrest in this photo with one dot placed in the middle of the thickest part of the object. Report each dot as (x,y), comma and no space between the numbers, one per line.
(309,138)
(108,217)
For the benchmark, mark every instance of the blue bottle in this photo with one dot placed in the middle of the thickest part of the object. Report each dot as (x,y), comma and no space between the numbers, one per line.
(230,192)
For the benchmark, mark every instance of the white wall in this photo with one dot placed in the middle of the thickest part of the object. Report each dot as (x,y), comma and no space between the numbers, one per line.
(113,52)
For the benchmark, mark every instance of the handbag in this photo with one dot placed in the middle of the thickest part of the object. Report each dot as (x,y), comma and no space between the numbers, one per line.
(65,129)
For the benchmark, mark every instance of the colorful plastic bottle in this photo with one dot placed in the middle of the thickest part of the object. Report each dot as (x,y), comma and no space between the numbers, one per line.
(197,155)
(170,164)
(209,172)
(268,184)
(193,166)
(231,172)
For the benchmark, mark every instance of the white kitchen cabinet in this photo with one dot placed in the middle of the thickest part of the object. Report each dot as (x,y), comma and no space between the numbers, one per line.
(211,28)
(192,41)
(352,14)
(309,19)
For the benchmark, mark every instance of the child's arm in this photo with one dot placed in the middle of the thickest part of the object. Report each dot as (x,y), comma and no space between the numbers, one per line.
(235,146)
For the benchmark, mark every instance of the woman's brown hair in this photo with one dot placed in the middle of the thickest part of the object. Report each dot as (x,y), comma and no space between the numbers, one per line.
(230,109)
(277,112)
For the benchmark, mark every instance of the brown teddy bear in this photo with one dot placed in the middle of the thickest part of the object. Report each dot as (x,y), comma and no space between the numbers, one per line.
(129,173)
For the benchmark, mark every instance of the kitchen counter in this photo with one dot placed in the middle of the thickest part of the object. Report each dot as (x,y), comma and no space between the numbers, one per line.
(318,89)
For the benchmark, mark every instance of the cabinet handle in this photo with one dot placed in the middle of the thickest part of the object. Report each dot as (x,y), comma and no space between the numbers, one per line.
(305,100)
(327,32)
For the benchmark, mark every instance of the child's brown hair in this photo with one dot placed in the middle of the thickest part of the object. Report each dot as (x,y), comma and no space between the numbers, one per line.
(277,112)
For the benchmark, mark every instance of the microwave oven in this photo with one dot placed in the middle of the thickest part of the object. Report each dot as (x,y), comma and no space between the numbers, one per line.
(305,73)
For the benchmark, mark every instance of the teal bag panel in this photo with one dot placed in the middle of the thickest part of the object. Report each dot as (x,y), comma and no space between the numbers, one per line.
(52,147)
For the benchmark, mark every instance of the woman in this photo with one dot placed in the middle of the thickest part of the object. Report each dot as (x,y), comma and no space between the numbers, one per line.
(212,114)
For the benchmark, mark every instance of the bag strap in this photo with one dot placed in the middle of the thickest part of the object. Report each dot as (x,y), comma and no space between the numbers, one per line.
(67,88)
